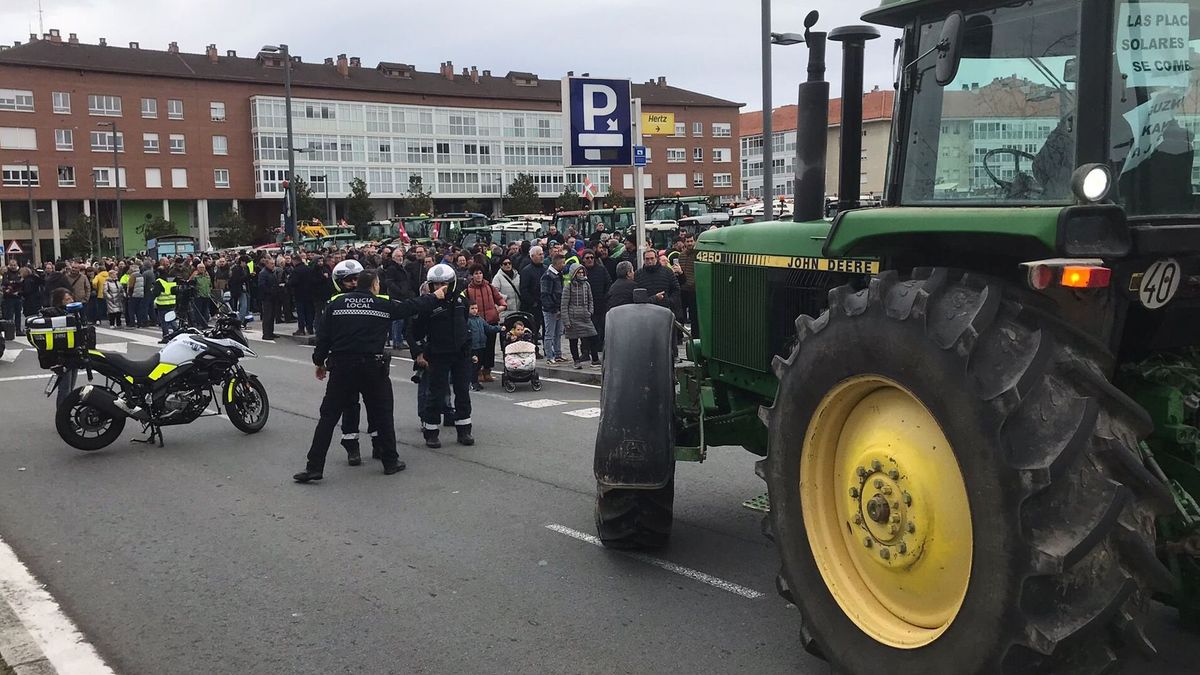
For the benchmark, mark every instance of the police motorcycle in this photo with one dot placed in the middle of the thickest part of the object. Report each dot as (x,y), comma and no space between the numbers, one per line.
(194,371)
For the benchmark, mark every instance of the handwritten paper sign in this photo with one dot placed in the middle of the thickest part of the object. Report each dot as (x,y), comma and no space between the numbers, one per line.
(1152,44)
(1150,123)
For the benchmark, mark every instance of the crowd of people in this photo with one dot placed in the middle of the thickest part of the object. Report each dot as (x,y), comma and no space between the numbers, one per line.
(565,284)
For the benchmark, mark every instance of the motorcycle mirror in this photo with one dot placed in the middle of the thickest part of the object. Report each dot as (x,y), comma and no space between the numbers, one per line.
(74,307)
(169,317)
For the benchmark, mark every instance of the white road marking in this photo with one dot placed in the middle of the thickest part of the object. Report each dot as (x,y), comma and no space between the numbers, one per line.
(688,572)
(128,336)
(577,384)
(10,355)
(117,347)
(586,413)
(287,360)
(25,377)
(60,641)
(541,403)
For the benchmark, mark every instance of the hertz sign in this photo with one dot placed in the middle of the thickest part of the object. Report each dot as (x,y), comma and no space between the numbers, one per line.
(848,265)
(658,123)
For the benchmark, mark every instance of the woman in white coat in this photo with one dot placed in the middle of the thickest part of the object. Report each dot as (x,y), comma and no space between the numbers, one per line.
(508,282)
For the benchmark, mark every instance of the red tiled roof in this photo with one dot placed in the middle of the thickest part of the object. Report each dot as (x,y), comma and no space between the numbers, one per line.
(877,105)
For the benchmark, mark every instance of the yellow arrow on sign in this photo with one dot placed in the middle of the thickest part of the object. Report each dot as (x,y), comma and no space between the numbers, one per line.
(658,123)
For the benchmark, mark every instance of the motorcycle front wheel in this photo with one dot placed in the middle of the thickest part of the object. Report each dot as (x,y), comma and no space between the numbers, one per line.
(84,427)
(246,404)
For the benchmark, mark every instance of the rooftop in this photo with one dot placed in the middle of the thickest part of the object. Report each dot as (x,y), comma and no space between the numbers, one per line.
(52,51)
(877,106)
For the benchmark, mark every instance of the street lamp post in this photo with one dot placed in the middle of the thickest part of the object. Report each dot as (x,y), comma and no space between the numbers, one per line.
(37,250)
(325,183)
(282,49)
(768,39)
(116,187)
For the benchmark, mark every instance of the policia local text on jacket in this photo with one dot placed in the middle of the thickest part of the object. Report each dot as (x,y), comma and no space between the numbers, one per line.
(350,346)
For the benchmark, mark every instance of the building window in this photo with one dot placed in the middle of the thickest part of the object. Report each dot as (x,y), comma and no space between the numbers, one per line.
(320,112)
(176,144)
(697,154)
(220,145)
(722,129)
(698,179)
(721,155)
(379,150)
(697,129)
(102,177)
(150,108)
(102,141)
(18,175)
(62,102)
(101,105)
(66,176)
(16,99)
(862,178)
(174,109)
(722,180)
(17,138)
(216,111)
(153,178)
(64,139)
(462,125)
(675,155)
(221,177)
(543,128)
(178,178)
(150,143)
(676,181)
(681,129)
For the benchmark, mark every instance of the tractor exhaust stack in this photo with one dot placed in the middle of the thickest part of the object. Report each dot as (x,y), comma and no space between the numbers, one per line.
(812,112)
(853,39)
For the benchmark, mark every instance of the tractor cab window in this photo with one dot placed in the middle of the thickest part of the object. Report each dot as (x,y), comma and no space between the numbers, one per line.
(1003,131)
(1156,107)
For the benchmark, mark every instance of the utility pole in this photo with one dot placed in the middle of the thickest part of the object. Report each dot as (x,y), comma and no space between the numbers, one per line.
(768,153)
(37,250)
(116,186)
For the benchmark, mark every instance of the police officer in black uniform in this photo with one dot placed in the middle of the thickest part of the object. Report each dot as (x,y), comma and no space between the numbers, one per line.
(350,350)
(441,344)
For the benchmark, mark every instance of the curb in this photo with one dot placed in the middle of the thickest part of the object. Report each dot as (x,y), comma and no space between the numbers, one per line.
(19,653)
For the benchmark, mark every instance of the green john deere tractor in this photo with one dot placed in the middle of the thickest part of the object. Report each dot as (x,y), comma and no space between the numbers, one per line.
(977,405)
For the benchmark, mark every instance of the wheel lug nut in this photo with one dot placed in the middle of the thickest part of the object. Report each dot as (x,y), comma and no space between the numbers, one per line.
(858,519)
(885,553)
(878,483)
(876,465)
(854,492)
(887,489)
(867,542)
(894,474)
(894,529)
(907,499)
(912,528)
(862,473)
(903,548)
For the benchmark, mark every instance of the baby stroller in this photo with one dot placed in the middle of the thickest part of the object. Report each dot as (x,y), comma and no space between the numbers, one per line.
(520,354)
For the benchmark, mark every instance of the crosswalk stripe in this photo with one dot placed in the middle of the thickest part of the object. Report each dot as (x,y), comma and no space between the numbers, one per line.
(584,413)
(10,354)
(541,403)
(116,347)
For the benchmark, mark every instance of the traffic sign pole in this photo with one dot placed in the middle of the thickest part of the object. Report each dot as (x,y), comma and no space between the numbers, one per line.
(639,189)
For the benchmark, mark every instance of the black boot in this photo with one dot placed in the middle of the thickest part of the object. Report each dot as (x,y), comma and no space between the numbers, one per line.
(353,456)
(395,468)
(431,438)
(307,475)
(464,434)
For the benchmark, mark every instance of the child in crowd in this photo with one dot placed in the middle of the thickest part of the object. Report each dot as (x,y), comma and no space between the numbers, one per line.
(478,329)
(519,333)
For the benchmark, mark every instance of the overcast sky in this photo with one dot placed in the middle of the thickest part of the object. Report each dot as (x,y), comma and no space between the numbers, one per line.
(710,46)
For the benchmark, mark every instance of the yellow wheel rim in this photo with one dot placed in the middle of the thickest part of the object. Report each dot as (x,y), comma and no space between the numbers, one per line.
(886,511)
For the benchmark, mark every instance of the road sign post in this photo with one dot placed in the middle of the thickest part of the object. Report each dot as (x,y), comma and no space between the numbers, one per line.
(639,189)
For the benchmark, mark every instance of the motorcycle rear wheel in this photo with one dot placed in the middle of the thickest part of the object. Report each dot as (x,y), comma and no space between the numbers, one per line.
(84,427)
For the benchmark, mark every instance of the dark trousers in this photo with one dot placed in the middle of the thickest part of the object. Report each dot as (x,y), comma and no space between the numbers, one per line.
(590,350)
(444,371)
(268,318)
(350,377)
(423,395)
(289,304)
(304,314)
(689,306)
(318,314)
(535,313)
(598,314)
(12,312)
(487,359)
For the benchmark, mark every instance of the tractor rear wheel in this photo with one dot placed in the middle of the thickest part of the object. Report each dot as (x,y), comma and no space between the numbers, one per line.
(956,487)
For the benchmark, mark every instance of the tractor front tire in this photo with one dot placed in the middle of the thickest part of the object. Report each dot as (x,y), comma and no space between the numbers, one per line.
(956,487)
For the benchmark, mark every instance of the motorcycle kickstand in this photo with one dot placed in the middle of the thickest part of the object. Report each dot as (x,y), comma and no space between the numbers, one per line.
(155,432)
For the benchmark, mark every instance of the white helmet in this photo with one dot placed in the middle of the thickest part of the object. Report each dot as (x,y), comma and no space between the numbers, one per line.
(346,270)
(441,274)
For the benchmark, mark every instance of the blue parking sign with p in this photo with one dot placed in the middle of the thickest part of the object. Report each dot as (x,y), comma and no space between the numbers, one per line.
(599,128)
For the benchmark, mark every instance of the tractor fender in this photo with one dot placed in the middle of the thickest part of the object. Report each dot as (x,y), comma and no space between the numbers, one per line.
(635,443)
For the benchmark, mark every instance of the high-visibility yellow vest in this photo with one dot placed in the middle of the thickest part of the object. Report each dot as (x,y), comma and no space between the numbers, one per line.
(166,297)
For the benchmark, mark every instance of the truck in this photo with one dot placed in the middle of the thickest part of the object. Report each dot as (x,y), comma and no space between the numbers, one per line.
(975,407)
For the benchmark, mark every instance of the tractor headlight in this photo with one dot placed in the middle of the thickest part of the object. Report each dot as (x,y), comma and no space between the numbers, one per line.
(1091,182)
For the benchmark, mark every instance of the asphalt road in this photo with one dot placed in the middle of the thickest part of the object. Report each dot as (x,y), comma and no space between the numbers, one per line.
(205,557)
